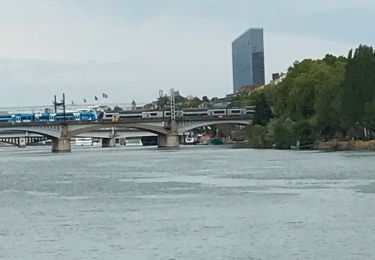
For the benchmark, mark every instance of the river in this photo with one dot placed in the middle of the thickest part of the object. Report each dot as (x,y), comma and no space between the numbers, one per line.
(198,202)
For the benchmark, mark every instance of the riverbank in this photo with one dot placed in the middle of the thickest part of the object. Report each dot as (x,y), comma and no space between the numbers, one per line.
(332,145)
(353,145)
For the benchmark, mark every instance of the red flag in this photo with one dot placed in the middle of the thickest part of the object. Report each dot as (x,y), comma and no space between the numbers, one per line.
(105,95)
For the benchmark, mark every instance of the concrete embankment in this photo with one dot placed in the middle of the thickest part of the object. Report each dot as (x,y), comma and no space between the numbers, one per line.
(336,145)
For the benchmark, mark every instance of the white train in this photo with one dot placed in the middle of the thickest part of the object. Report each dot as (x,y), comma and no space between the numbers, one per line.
(184,113)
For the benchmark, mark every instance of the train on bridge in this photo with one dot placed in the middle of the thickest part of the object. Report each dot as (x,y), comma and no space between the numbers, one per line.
(91,115)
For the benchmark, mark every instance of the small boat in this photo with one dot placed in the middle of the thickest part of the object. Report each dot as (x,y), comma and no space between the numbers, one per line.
(216,141)
(149,140)
(190,140)
(83,141)
(133,142)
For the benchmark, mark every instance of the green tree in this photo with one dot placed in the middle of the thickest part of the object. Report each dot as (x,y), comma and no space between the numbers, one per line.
(369,117)
(324,98)
(358,87)
(162,102)
(282,133)
(263,112)
(327,104)
(258,136)
(205,99)
(194,102)
(241,99)
(304,131)
(310,91)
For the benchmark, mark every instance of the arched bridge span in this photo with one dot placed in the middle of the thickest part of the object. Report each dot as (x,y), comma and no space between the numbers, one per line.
(185,126)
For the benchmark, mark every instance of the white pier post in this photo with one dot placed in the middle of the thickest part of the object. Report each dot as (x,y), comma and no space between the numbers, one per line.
(21,142)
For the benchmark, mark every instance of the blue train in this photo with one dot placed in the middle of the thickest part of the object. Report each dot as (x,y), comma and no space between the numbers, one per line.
(48,117)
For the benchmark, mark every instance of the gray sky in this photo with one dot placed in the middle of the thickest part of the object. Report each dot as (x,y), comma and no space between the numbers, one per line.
(130,49)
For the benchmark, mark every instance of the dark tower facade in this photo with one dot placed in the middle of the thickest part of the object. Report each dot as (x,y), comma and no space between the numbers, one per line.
(248,59)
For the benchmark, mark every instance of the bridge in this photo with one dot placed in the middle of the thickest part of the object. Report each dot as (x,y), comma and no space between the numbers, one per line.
(167,129)
(23,139)
(20,138)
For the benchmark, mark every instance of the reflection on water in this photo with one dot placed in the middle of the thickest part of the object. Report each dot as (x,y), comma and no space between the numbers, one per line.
(192,203)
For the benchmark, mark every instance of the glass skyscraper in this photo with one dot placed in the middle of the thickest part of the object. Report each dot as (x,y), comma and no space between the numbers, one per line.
(248,59)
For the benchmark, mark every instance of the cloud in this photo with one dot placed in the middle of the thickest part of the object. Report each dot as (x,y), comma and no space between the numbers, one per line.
(282,50)
(131,49)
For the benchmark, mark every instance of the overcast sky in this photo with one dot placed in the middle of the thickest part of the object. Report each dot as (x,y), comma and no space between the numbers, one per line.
(129,49)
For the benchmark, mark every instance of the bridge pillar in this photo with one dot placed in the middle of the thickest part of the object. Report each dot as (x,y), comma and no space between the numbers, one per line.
(108,142)
(168,141)
(61,145)
(21,142)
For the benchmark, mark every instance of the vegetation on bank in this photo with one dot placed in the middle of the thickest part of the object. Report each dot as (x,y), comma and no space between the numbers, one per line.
(325,99)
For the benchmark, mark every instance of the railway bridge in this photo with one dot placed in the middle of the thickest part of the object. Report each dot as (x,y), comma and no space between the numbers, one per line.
(167,129)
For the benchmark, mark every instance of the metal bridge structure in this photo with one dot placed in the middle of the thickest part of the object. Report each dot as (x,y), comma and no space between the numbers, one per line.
(61,133)
(21,139)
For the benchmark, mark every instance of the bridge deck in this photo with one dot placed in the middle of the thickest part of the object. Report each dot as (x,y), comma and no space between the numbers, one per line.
(128,120)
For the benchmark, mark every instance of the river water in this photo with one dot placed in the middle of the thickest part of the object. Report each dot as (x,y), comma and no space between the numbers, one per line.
(200,202)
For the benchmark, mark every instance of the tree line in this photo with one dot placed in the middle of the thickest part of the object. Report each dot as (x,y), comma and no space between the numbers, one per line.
(329,98)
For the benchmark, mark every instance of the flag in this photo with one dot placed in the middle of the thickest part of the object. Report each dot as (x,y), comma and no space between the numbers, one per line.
(105,95)
(84,100)
(96,98)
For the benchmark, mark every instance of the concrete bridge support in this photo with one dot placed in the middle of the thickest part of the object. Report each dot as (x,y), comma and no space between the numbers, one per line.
(61,145)
(168,141)
(171,139)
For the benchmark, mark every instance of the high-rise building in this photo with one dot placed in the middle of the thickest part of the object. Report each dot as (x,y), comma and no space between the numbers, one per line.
(248,59)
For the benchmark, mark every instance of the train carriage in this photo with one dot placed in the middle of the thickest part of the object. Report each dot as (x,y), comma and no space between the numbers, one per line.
(69,116)
(250,110)
(24,118)
(44,117)
(130,115)
(218,112)
(87,116)
(152,114)
(6,118)
(194,112)
(236,111)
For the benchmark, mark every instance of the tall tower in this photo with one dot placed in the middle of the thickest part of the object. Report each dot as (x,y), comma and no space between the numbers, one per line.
(248,59)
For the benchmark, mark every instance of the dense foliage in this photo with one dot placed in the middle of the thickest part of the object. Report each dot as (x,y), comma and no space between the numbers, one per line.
(328,98)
